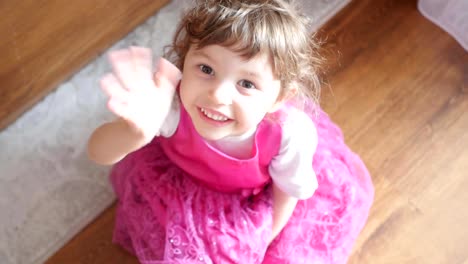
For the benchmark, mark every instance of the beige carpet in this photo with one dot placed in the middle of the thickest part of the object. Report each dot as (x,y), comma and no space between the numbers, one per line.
(48,189)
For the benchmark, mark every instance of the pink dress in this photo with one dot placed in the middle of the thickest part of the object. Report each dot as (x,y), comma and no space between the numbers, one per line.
(182,201)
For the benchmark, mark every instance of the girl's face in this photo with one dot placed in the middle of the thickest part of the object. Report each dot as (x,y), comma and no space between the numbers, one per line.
(226,95)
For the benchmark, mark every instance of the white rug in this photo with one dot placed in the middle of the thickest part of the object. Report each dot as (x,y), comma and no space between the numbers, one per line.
(48,189)
(450,15)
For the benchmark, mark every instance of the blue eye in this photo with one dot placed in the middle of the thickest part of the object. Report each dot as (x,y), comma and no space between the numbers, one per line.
(206,69)
(247,84)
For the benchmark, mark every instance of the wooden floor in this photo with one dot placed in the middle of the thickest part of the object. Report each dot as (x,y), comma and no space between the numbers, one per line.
(397,85)
(43,42)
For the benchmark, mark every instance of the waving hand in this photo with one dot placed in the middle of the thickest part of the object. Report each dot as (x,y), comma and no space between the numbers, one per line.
(138,97)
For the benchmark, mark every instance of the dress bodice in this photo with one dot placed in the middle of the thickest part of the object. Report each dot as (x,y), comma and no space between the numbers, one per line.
(189,151)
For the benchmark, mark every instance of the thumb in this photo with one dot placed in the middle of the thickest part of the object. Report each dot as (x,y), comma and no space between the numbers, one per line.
(168,71)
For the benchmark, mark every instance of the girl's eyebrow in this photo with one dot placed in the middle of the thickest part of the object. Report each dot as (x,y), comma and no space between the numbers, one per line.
(201,53)
(253,74)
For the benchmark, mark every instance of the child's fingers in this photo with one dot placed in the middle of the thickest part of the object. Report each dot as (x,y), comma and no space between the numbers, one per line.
(118,108)
(142,61)
(122,65)
(111,86)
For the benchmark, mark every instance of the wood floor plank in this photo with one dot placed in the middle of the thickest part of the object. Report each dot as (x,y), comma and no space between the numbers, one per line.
(45,41)
(389,210)
(94,245)
(398,90)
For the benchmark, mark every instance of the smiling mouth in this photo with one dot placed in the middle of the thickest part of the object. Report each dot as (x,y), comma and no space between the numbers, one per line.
(213,116)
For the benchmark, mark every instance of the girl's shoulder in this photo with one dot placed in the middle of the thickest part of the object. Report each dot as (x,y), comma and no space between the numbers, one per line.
(291,118)
(297,127)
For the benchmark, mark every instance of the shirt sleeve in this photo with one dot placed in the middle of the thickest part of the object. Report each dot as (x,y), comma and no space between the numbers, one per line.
(171,122)
(291,170)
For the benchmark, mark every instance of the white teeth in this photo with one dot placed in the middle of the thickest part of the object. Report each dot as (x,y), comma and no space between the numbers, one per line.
(213,116)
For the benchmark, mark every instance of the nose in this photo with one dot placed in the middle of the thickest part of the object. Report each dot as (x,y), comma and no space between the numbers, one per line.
(222,93)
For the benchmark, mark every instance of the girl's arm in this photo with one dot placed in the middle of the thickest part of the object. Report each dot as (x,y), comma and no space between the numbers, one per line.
(283,207)
(112,141)
(140,100)
(291,170)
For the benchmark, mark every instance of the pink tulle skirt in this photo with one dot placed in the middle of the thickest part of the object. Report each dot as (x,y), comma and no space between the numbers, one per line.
(164,216)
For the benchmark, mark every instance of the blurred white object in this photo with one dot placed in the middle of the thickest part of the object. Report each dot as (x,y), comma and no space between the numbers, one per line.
(450,15)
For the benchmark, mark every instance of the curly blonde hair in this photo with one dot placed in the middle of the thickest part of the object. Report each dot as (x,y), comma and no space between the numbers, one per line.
(250,27)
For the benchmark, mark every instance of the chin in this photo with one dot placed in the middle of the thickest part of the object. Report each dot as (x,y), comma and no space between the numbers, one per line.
(211,133)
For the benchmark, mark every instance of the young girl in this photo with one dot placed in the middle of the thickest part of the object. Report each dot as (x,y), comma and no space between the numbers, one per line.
(230,160)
